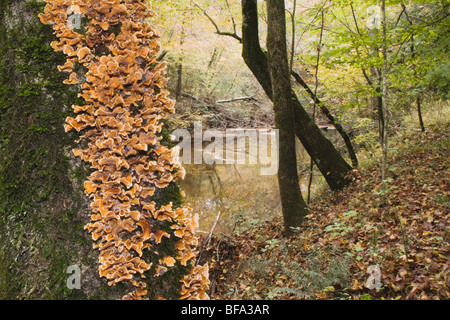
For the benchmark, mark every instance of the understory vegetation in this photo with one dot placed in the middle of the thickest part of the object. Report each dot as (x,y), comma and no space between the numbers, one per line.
(399,226)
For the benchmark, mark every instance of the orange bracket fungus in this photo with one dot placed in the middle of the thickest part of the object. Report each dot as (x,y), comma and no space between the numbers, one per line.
(112,55)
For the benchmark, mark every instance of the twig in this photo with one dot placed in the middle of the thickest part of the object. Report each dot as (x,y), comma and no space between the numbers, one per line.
(208,239)
(239,175)
(232,18)
(319,49)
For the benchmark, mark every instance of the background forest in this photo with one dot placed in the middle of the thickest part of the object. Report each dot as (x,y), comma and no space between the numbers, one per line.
(335,55)
(335,52)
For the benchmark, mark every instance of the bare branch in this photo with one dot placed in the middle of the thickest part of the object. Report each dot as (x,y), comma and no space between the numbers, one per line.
(232,18)
(162,55)
(330,117)
(218,31)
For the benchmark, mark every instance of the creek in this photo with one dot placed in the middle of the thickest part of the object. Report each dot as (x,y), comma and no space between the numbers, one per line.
(233,197)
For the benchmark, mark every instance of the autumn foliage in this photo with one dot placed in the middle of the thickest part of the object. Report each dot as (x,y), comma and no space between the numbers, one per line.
(113,56)
(400,227)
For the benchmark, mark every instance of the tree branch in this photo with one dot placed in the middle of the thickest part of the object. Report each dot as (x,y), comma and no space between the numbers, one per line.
(330,117)
(218,31)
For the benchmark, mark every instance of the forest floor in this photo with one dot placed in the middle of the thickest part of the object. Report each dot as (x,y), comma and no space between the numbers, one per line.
(373,240)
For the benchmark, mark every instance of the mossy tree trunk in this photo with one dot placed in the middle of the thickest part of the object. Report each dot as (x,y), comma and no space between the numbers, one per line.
(293,206)
(43,208)
(42,205)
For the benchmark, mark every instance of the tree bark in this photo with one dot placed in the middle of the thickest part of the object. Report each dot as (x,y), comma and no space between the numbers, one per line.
(293,206)
(42,204)
(384,138)
(330,163)
(43,207)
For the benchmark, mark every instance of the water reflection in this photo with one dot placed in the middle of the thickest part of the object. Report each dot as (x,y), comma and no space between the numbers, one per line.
(233,197)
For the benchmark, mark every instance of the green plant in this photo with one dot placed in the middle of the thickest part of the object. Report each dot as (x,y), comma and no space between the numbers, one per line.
(343,224)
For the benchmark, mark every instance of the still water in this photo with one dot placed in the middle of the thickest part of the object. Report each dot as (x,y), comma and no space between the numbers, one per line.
(232,197)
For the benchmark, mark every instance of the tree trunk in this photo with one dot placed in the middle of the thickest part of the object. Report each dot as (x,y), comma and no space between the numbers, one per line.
(180,66)
(42,205)
(179,82)
(330,163)
(419,113)
(330,117)
(43,208)
(293,206)
(384,138)
(413,54)
(377,105)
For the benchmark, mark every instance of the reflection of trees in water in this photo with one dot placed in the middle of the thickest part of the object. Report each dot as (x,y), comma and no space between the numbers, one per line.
(237,191)
(230,189)
(202,179)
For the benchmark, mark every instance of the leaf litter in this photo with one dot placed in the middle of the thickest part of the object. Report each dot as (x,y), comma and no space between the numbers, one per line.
(398,227)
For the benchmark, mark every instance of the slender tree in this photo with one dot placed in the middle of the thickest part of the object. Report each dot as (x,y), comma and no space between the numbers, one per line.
(293,206)
(384,138)
(329,161)
(413,55)
(316,73)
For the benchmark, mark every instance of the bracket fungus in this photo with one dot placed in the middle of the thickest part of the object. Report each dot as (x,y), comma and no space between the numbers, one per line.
(125,101)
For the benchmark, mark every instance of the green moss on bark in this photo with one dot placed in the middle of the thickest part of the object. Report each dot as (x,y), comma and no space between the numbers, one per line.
(43,208)
(42,205)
